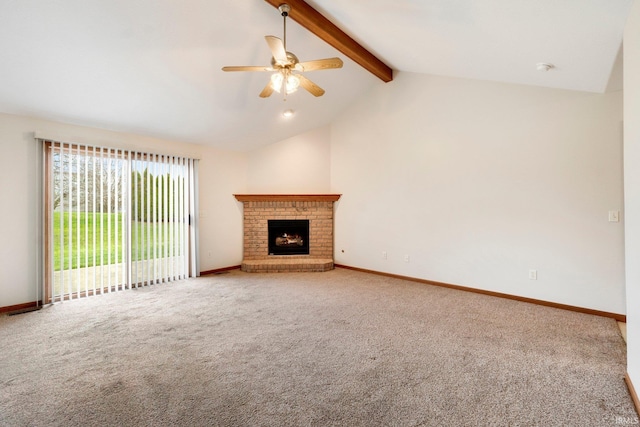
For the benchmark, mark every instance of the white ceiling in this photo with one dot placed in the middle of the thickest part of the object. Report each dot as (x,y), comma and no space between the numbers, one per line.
(153,67)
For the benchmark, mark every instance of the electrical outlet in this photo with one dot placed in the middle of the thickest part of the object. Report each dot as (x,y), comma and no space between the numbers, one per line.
(384,254)
(406,258)
(533,275)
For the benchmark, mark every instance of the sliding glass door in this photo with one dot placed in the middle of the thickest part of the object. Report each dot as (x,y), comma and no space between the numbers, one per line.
(116,219)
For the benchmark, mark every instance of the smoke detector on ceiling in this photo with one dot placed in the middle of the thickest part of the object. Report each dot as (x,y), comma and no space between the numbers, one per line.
(543,66)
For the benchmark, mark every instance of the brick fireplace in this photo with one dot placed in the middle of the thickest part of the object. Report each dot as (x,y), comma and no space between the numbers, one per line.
(260,208)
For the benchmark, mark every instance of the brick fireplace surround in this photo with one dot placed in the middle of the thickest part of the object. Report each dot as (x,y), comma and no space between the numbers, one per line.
(259,208)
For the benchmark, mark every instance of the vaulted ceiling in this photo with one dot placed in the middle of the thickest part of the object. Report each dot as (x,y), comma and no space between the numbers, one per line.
(153,67)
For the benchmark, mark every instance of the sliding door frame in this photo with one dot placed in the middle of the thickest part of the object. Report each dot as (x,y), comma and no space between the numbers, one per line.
(181,178)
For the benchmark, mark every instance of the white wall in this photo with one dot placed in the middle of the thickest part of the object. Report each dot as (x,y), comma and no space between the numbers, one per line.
(221,175)
(479,182)
(632,188)
(296,165)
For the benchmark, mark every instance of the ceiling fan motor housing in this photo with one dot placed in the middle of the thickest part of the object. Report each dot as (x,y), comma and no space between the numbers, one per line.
(293,60)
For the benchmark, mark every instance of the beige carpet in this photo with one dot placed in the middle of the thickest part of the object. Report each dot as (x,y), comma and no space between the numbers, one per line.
(309,349)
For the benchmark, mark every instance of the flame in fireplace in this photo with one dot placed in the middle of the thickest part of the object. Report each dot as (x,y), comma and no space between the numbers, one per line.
(289,239)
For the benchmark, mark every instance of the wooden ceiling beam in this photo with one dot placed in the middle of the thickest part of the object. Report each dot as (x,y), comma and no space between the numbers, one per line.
(315,22)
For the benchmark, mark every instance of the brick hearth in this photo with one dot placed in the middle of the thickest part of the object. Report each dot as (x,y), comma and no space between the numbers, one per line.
(259,208)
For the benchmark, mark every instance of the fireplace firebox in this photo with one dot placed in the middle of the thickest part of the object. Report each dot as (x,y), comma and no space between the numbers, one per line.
(288,236)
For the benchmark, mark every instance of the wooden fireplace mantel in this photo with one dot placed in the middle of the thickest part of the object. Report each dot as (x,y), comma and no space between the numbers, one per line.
(287,197)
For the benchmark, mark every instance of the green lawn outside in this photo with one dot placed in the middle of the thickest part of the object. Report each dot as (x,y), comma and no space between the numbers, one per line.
(85,256)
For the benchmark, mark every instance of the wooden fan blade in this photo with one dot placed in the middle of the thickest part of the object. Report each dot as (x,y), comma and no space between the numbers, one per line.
(267,91)
(246,68)
(310,86)
(320,64)
(277,50)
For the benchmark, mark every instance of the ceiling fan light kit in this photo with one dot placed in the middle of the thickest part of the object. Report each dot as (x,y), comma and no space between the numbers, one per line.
(291,82)
(287,69)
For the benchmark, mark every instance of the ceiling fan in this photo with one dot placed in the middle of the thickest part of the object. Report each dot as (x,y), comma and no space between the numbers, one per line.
(287,69)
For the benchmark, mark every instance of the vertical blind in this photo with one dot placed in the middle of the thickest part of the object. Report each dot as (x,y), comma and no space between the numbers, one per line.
(116,219)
